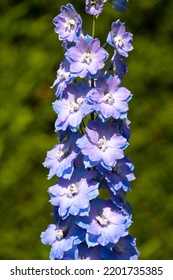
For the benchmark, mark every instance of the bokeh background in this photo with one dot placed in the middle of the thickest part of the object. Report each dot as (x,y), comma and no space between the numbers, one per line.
(30,54)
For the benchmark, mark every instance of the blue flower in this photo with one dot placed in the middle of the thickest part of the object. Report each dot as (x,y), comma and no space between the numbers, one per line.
(63,78)
(120,39)
(94,7)
(86,58)
(73,196)
(124,127)
(119,5)
(105,223)
(101,145)
(110,98)
(73,107)
(89,253)
(117,66)
(124,249)
(120,175)
(68,24)
(63,237)
(60,160)
(93,132)
(120,201)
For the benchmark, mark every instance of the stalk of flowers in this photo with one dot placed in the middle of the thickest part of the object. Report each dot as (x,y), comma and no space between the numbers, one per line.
(93,132)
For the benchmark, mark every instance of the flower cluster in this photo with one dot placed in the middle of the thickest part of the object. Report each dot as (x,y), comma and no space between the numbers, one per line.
(93,132)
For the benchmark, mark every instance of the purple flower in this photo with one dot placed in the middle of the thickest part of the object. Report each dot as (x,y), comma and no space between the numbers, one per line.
(90,210)
(73,196)
(63,78)
(72,108)
(124,128)
(120,175)
(118,198)
(118,66)
(110,99)
(124,249)
(101,145)
(120,201)
(86,253)
(94,7)
(68,24)
(119,5)
(63,237)
(86,58)
(60,160)
(120,39)
(105,223)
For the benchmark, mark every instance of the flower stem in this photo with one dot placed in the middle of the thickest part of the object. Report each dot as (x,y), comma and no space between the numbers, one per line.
(94,26)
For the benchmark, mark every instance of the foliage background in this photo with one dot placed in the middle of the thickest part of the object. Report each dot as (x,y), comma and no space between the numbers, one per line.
(29,57)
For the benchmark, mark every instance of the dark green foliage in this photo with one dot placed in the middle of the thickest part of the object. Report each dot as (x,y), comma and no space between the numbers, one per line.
(30,54)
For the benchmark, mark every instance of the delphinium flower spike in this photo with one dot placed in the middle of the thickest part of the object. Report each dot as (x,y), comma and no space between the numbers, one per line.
(93,132)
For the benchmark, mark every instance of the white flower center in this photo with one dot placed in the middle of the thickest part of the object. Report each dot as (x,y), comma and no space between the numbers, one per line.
(74,107)
(64,75)
(59,153)
(80,100)
(103,220)
(87,57)
(70,23)
(102,143)
(72,190)
(108,98)
(118,41)
(59,234)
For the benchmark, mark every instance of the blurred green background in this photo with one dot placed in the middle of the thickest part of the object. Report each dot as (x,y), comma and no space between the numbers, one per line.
(30,54)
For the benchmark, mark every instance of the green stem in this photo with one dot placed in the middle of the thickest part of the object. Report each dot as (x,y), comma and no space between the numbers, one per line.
(105,45)
(94,26)
(81,129)
(83,123)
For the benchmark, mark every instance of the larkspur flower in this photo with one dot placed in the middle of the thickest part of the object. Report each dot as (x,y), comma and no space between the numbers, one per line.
(101,145)
(124,127)
(68,24)
(89,253)
(117,197)
(63,78)
(110,98)
(120,39)
(120,201)
(73,196)
(87,57)
(120,175)
(93,132)
(124,249)
(118,66)
(119,5)
(105,223)
(73,107)
(60,160)
(94,7)
(62,237)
